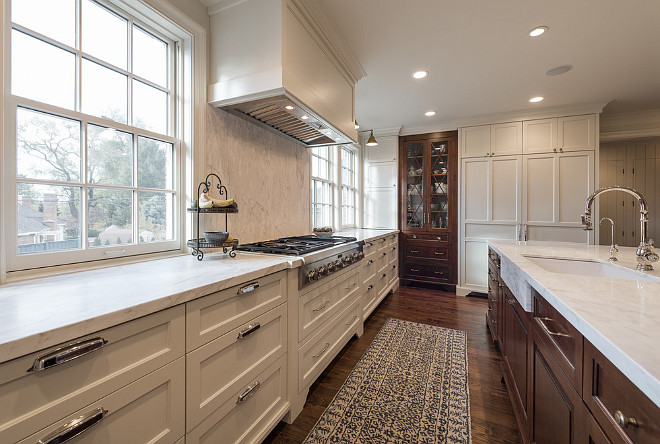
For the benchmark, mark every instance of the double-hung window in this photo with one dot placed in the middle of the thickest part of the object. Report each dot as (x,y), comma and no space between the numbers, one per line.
(335,187)
(92,158)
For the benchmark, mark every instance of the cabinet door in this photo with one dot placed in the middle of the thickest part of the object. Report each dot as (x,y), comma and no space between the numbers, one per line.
(539,178)
(439,189)
(505,185)
(475,141)
(475,189)
(414,182)
(380,206)
(539,136)
(515,350)
(475,264)
(575,182)
(506,139)
(576,133)
(558,411)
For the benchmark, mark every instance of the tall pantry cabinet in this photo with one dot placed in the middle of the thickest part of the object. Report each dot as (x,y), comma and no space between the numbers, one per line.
(523,180)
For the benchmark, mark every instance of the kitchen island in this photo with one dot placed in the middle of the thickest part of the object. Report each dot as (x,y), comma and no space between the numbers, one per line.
(614,320)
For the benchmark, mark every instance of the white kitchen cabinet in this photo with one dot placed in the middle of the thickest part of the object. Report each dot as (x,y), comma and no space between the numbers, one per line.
(500,139)
(556,187)
(380,182)
(560,134)
(475,141)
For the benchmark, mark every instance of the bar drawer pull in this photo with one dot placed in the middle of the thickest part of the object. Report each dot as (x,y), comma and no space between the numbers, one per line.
(74,427)
(249,391)
(624,420)
(325,348)
(547,330)
(248,288)
(351,321)
(351,286)
(439,272)
(249,330)
(442,254)
(414,251)
(67,353)
(414,270)
(325,304)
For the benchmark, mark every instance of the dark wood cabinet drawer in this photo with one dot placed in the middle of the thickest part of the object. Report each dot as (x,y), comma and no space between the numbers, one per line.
(440,253)
(494,257)
(622,410)
(437,237)
(427,270)
(563,340)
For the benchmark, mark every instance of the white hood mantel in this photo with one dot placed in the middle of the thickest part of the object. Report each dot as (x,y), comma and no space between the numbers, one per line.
(267,55)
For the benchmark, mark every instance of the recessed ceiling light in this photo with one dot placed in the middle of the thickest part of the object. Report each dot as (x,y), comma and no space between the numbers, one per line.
(559,70)
(420,74)
(429,113)
(304,117)
(536,99)
(289,107)
(537,31)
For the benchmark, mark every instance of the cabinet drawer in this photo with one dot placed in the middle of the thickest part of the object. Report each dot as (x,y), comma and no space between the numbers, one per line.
(370,247)
(315,355)
(250,409)
(492,323)
(393,272)
(563,340)
(440,237)
(420,250)
(32,400)
(216,369)
(150,410)
(426,270)
(609,394)
(494,257)
(369,269)
(369,293)
(214,315)
(316,307)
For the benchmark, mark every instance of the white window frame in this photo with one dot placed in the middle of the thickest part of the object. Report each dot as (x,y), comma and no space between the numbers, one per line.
(331,181)
(354,189)
(189,128)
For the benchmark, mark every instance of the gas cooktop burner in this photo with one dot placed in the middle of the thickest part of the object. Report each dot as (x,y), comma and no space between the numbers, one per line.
(297,245)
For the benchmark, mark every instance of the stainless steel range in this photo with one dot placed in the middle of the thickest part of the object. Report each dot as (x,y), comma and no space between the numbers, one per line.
(322,255)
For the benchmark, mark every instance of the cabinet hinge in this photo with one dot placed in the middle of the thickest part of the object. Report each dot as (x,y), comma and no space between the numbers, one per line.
(633,171)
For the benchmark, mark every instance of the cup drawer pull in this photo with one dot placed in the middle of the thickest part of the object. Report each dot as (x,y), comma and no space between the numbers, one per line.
(248,288)
(66,354)
(325,304)
(74,428)
(249,330)
(325,348)
(548,331)
(249,391)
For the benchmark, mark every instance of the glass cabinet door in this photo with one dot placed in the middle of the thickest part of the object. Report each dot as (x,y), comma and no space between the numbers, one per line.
(439,190)
(415,211)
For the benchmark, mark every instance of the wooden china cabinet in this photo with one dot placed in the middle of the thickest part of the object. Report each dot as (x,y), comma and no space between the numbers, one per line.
(427,205)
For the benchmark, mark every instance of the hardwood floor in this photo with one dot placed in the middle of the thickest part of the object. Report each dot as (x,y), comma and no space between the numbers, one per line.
(491,413)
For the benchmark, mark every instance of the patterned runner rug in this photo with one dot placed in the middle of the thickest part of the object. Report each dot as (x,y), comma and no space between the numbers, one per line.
(409,387)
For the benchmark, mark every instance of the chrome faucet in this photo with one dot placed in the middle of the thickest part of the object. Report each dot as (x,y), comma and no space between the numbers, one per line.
(614,248)
(645,251)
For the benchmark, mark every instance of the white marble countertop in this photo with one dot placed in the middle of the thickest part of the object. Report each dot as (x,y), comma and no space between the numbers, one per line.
(40,313)
(43,312)
(619,317)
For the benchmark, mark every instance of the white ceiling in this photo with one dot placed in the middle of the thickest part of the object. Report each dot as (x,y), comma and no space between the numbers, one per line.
(481,60)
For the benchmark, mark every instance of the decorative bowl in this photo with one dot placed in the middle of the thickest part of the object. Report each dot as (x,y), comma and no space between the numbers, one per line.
(216,237)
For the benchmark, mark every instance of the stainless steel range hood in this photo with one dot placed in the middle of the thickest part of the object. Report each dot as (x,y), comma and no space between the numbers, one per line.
(273,64)
(283,114)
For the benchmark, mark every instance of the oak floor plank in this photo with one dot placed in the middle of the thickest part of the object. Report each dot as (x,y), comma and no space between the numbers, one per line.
(493,421)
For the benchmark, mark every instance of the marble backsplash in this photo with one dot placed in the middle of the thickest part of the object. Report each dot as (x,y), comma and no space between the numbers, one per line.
(267,174)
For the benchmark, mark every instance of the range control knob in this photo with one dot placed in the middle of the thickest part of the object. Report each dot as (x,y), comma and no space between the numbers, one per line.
(356,257)
(348,260)
(330,267)
(322,271)
(360,255)
(338,265)
(312,276)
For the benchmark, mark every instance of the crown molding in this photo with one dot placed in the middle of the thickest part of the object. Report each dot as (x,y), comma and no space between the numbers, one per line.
(313,16)
(216,6)
(541,113)
(431,128)
(630,125)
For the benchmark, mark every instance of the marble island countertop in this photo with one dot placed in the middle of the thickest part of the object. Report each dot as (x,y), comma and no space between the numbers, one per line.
(620,317)
(43,312)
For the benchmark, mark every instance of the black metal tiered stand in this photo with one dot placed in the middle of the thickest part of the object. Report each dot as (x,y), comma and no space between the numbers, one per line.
(198,243)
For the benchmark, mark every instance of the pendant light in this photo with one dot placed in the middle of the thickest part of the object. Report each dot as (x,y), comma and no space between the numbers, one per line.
(372,140)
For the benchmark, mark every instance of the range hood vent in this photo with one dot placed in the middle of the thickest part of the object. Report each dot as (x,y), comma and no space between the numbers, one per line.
(286,116)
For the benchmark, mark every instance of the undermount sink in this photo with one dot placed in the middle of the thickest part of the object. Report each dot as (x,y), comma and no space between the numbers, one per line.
(586,267)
